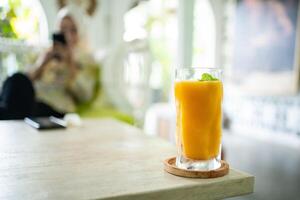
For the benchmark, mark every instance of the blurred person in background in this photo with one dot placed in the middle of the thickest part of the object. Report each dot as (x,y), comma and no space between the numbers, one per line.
(65,76)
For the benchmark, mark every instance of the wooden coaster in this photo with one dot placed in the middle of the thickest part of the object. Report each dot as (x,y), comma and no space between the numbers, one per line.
(171,168)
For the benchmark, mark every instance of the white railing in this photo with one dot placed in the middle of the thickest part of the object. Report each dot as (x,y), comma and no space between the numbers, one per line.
(18,46)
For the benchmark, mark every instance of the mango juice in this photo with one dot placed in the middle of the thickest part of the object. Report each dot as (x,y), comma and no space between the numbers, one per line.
(199,115)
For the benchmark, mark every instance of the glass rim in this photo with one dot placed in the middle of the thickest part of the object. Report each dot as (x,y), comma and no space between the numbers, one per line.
(198,68)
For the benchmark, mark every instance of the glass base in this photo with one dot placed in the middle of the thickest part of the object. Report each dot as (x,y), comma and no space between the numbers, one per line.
(199,165)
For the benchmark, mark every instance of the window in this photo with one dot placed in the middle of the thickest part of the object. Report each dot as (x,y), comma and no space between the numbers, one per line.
(156,21)
(23,26)
(23,20)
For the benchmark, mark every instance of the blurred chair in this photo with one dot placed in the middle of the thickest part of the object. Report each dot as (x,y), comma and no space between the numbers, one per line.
(160,120)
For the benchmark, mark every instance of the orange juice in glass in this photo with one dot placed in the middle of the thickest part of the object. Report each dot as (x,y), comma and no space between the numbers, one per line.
(198,95)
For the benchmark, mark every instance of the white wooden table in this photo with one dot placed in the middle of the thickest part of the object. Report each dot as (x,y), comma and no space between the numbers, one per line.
(103,159)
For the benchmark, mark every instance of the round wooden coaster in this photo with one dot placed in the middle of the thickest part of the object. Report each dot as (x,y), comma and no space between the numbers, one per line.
(171,168)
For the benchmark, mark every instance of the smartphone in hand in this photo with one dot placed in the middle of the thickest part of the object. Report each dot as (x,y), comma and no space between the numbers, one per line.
(59,42)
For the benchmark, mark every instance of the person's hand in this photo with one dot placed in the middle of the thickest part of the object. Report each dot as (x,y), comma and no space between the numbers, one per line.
(63,53)
(47,57)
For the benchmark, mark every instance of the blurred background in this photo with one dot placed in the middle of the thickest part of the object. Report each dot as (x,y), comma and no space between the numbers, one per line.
(137,45)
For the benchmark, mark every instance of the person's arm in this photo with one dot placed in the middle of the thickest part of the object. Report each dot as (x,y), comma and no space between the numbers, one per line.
(82,79)
(71,64)
(41,64)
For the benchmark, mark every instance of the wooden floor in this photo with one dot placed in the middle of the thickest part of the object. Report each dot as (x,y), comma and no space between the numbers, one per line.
(276,167)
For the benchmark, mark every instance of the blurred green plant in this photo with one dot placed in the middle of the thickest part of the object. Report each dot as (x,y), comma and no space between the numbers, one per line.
(17,21)
(7,14)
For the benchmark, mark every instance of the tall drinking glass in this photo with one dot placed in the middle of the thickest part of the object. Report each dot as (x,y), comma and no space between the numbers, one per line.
(198,94)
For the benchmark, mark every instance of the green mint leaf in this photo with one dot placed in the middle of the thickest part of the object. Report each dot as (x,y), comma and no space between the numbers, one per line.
(207,77)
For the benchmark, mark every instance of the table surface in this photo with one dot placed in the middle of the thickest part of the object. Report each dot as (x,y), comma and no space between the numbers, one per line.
(102,159)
